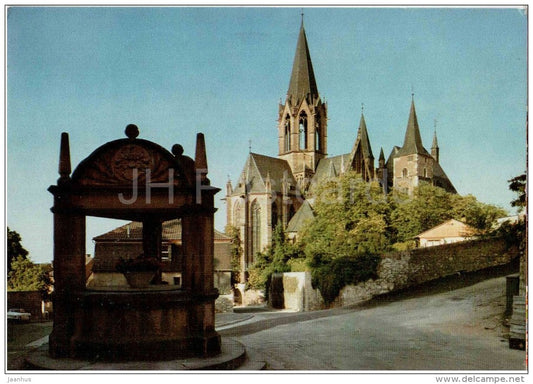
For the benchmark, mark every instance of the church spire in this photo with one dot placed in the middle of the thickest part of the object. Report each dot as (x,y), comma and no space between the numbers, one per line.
(435,145)
(364,141)
(412,143)
(302,81)
(381,158)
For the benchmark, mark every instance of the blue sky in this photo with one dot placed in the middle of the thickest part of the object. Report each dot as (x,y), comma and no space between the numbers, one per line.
(175,71)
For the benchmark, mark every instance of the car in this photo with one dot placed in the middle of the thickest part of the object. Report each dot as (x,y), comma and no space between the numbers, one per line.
(18,314)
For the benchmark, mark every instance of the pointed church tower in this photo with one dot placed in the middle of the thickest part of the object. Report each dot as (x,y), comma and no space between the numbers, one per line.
(412,163)
(302,120)
(362,159)
(435,145)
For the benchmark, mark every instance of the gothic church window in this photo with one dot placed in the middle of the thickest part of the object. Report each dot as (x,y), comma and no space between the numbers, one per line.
(302,124)
(275,216)
(237,214)
(287,137)
(256,229)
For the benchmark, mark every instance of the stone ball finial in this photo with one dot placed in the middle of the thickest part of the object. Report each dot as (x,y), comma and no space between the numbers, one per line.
(132,131)
(177,150)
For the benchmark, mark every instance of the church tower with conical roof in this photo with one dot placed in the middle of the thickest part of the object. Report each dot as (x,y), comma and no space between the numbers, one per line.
(361,157)
(302,120)
(412,163)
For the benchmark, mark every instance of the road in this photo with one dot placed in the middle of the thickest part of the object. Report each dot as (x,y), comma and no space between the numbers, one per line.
(454,330)
(423,329)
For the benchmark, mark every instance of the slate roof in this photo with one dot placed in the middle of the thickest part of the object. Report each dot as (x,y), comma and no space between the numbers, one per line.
(435,143)
(256,171)
(302,81)
(412,143)
(331,167)
(302,216)
(132,231)
(440,179)
(381,155)
(362,141)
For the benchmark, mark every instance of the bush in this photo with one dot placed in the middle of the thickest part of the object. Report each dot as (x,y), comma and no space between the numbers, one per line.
(330,278)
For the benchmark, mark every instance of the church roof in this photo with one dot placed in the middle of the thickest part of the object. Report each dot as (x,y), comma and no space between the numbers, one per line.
(331,167)
(258,169)
(302,81)
(440,179)
(362,141)
(412,143)
(302,216)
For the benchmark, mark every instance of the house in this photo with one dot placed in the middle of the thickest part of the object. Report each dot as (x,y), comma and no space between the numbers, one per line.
(126,242)
(451,231)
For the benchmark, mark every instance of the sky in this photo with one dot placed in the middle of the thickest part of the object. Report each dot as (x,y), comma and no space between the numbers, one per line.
(176,71)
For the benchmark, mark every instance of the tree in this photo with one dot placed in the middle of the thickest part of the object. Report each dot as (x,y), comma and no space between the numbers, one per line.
(14,248)
(27,276)
(351,217)
(275,259)
(518,184)
(430,206)
(236,252)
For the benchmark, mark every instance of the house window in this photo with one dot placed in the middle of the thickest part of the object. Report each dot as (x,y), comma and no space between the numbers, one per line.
(404,172)
(165,252)
(425,172)
(303,130)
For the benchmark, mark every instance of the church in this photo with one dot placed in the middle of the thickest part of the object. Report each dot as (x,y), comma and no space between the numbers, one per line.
(276,189)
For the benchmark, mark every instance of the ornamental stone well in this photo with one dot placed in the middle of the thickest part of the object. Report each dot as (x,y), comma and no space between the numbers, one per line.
(138,180)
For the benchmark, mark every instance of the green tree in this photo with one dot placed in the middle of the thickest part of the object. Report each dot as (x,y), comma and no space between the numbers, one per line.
(430,206)
(351,217)
(27,276)
(14,248)
(518,184)
(236,252)
(274,259)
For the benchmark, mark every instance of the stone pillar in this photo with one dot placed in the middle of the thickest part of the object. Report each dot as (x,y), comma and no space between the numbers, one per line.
(152,237)
(69,278)
(198,249)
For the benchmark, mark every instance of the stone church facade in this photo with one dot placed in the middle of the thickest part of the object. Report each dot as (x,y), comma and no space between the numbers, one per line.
(275,189)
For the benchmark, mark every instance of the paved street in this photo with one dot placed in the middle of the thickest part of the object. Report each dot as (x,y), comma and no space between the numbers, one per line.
(459,329)
(455,330)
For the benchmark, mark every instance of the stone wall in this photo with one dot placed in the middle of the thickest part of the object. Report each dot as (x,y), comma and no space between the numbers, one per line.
(400,270)
(224,303)
(293,291)
(397,271)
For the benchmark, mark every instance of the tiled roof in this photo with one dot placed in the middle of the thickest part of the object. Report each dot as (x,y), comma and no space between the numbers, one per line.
(450,228)
(132,231)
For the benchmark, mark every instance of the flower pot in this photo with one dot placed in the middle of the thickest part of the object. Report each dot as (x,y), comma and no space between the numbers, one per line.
(139,279)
